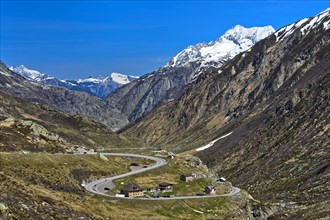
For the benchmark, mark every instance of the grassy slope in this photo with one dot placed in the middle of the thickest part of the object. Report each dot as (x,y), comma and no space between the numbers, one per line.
(75,130)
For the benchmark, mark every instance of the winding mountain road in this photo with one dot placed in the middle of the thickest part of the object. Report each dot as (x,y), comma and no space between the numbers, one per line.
(97,186)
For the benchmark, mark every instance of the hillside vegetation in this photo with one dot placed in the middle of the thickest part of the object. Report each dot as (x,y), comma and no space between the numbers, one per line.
(46,186)
(36,127)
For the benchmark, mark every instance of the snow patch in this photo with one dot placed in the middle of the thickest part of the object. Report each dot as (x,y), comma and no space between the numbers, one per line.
(305,25)
(212,142)
(326,25)
(114,77)
(120,78)
(308,26)
(90,80)
(287,30)
(302,21)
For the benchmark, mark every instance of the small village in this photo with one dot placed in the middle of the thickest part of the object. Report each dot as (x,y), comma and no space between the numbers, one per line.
(165,189)
(191,182)
(134,190)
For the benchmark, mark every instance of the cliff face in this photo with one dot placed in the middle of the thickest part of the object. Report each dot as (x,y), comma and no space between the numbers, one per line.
(140,97)
(64,100)
(274,99)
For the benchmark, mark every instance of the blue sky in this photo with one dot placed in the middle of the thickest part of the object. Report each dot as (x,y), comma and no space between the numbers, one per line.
(76,39)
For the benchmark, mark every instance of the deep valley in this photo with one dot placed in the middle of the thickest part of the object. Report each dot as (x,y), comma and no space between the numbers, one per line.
(252,116)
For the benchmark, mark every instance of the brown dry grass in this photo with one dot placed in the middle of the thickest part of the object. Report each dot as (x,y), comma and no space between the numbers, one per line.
(42,186)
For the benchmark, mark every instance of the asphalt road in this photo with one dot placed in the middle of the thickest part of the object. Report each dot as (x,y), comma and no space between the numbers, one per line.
(97,186)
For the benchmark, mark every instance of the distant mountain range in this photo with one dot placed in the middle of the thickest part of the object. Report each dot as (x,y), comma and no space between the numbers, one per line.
(184,67)
(100,86)
(60,99)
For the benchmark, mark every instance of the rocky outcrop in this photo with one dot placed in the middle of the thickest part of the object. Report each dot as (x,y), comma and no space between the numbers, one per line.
(35,136)
(142,96)
(37,131)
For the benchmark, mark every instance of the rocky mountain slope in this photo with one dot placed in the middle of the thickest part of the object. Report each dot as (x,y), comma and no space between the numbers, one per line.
(74,103)
(100,86)
(142,96)
(272,105)
(35,127)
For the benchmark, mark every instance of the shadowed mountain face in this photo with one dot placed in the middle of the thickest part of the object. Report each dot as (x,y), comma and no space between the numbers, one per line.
(281,150)
(168,82)
(275,99)
(74,103)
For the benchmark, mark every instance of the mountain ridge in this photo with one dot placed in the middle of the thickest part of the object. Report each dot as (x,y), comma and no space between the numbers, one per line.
(61,99)
(100,86)
(271,105)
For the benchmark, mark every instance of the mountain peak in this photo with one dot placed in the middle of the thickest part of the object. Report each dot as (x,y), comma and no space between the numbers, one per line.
(234,41)
(28,73)
(119,78)
(254,33)
(236,28)
(22,66)
(122,79)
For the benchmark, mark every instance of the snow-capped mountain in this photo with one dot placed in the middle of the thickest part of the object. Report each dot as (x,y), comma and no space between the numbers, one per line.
(233,42)
(114,77)
(100,86)
(168,82)
(33,75)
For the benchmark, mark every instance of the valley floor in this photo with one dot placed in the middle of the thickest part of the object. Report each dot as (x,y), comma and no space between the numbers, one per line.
(48,186)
